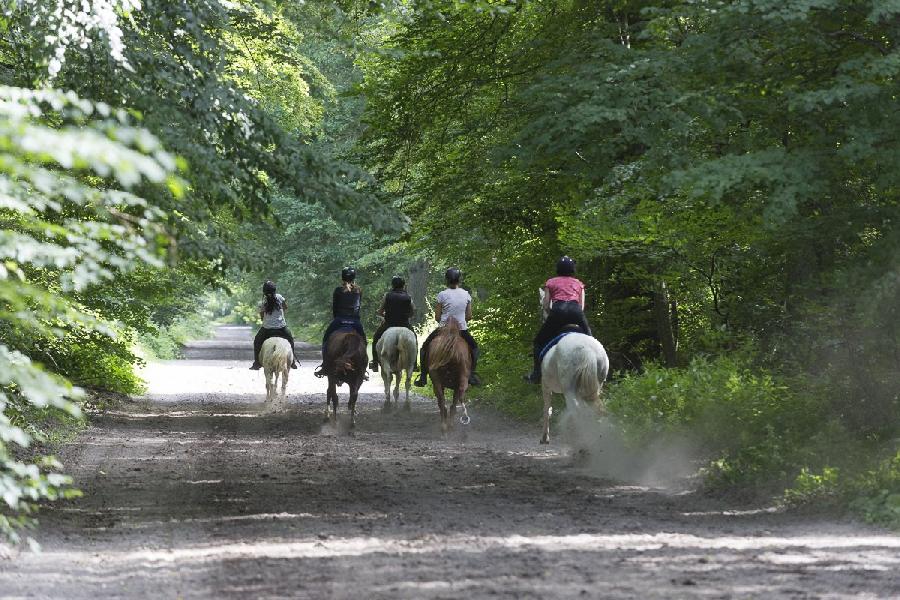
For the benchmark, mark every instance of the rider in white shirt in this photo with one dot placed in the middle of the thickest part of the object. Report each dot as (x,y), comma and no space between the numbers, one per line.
(452,302)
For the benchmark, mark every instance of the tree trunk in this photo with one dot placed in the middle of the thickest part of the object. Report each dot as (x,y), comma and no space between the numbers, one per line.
(417,286)
(663,316)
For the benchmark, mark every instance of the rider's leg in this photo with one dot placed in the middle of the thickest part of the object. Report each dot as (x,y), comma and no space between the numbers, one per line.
(375,337)
(423,359)
(332,327)
(547,332)
(286,334)
(261,336)
(473,347)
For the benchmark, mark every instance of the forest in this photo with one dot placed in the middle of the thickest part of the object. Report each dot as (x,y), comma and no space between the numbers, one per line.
(725,172)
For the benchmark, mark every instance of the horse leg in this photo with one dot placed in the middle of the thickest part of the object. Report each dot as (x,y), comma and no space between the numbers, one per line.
(548,410)
(407,407)
(386,378)
(268,375)
(331,393)
(351,404)
(284,381)
(397,386)
(442,406)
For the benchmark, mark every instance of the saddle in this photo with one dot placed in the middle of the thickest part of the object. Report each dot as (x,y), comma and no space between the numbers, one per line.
(570,329)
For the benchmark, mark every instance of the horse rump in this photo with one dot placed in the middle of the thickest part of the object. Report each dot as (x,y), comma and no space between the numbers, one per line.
(345,355)
(448,350)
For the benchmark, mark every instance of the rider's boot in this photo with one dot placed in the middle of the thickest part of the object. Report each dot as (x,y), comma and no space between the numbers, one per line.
(535,375)
(374,365)
(255,366)
(474,379)
(294,364)
(320,371)
(423,373)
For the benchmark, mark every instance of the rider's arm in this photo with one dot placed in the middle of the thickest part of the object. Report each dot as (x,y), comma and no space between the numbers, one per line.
(545,301)
(469,311)
(438,310)
(380,310)
(582,298)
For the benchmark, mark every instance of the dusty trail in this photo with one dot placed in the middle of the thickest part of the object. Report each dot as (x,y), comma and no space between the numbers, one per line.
(193,492)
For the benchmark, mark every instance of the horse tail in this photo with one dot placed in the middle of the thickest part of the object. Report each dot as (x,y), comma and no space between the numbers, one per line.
(586,370)
(280,357)
(348,351)
(445,348)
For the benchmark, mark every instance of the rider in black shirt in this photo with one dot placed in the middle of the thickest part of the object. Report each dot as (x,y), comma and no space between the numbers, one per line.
(397,308)
(345,305)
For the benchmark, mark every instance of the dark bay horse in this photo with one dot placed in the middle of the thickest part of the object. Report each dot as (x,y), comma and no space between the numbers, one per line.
(345,362)
(449,365)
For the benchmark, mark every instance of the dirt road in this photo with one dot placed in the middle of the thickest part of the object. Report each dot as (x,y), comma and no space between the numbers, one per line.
(195,492)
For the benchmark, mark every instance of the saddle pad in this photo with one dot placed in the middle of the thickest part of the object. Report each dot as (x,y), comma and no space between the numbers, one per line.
(554,342)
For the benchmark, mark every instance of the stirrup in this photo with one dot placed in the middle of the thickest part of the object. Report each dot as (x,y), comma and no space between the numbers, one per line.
(320,371)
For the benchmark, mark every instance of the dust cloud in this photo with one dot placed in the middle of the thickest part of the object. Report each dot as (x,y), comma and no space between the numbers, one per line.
(601,449)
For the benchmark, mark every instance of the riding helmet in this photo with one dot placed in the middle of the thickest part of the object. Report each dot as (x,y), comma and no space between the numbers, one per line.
(397,282)
(565,266)
(348,274)
(452,275)
(269,288)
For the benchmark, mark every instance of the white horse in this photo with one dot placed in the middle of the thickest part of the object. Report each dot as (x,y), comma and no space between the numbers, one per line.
(575,367)
(396,352)
(276,357)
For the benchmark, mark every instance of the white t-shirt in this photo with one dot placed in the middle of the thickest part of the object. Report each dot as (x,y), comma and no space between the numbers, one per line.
(453,303)
(274,319)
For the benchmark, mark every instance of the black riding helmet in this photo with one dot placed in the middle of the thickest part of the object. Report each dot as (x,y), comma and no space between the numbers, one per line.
(565,266)
(397,282)
(269,287)
(452,275)
(348,274)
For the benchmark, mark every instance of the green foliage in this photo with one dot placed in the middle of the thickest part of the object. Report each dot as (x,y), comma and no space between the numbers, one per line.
(165,341)
(70,222)
(747,423)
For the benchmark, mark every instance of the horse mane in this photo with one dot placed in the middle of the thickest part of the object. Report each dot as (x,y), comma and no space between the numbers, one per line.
(343,353)
(448,347)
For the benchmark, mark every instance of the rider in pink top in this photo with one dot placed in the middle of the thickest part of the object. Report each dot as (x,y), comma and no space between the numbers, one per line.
(565,289)
(565,301)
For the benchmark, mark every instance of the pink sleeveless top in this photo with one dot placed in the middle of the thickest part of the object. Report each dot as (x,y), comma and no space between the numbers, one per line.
(564,289)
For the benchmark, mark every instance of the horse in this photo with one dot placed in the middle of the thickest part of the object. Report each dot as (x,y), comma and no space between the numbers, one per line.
(396,352)
(449,365)
(575,367)
(345,362)
(276,356)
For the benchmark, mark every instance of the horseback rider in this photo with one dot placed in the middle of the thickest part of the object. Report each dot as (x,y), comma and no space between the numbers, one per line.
(397,308)
(345,305)
(452,302)
(271,312)
(564,298)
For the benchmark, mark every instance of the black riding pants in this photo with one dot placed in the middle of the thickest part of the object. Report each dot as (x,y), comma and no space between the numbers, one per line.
(380,332)
(265,333)
(561,315)
(340,323)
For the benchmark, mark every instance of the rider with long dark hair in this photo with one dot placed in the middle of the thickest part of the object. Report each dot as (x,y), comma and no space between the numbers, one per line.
(397,308)
(453,302)
(564,297)
(271,311)
(345,308)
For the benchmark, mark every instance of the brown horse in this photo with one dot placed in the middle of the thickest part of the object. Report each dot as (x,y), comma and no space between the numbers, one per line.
(449,365)
(345,362)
